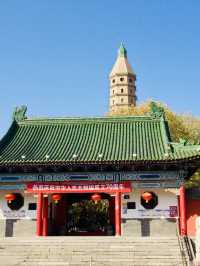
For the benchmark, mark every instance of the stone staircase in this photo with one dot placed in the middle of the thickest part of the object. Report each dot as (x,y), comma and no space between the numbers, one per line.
(90,251)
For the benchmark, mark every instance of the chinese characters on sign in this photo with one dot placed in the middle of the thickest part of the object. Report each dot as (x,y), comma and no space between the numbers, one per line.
(80,188)
(173,211)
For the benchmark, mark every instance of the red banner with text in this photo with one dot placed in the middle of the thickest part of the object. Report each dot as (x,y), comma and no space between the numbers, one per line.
(61,187)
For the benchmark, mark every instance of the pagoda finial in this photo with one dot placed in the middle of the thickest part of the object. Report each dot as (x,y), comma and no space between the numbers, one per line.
(122,51)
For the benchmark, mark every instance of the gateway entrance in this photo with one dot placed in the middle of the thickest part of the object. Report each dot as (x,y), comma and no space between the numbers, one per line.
(73,212)
(81,215)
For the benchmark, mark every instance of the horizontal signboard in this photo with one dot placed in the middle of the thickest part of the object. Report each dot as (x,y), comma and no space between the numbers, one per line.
(79,187)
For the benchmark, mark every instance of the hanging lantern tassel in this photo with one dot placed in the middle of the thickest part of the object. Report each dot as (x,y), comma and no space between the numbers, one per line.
(10,197)
(96,197)
(147,196)
(56,198)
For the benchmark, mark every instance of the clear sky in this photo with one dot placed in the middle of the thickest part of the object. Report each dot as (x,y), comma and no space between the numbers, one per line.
(55,56)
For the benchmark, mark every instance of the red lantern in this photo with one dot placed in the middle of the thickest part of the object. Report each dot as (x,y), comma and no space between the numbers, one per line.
(56,198)
(10,197)
(147,196)
(96,197)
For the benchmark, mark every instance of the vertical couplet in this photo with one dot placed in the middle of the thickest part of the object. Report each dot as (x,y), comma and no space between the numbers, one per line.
(182,204)
(118,214)
(39,214)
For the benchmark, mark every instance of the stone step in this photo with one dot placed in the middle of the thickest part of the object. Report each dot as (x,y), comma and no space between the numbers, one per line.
(90,251)
(87,245)
(94,263)
(141,254)
(87,251)
(111,262)
(68,240)
(98,253)
(91,248)
(86,239)
(99,264)
(86,242)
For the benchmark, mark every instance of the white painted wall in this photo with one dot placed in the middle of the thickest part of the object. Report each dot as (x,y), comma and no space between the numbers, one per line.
(22,213)
(162,210)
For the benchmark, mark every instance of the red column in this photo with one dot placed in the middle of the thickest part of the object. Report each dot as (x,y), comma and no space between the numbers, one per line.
(112,211)
(118,214)
(182,206)
(45,217)
(39,214)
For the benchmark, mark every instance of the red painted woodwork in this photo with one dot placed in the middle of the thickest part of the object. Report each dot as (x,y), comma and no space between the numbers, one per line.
(39,214)
(147,196)
(60,213)
(193,211)
(112,211)
(10,197)
(118,214)
(45,217)
(182,210)
(96,197)
(56,198)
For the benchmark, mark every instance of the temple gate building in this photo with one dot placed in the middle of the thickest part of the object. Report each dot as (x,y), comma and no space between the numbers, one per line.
(56,172)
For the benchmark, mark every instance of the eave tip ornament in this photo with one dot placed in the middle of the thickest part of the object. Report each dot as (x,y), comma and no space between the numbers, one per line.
(19,113)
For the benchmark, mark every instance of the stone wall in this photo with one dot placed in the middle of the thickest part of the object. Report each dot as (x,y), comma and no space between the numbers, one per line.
(2,227)
(17,227)
(149,227)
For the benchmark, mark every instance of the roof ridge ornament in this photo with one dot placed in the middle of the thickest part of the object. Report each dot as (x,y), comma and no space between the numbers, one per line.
(19,113)
(156,111)
(183,142)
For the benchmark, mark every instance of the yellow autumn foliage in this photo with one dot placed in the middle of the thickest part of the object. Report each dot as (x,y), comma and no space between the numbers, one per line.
(182,126)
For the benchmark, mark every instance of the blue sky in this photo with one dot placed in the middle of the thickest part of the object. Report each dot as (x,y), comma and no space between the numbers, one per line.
(55,56)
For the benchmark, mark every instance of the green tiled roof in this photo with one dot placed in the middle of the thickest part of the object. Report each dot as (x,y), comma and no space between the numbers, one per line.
(91,140)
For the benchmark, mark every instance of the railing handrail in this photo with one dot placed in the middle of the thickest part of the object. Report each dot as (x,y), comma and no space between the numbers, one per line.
(185,258)
(190,249)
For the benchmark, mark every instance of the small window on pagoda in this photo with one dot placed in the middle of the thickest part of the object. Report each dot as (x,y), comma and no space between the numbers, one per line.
(131,91)
(130,80)
(113,102)
(113,81)
(16,203)
(149,200)
(121,79)
(122,90)
(122,100)
(113,92)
